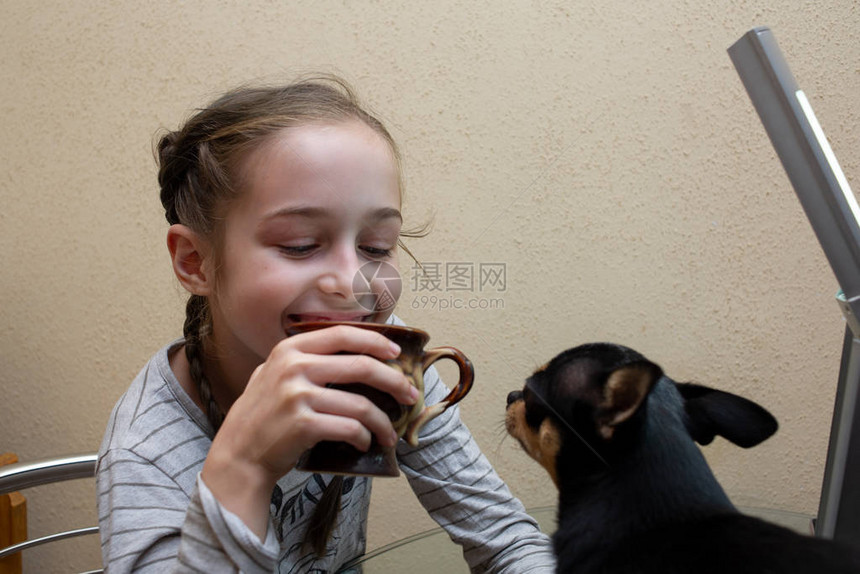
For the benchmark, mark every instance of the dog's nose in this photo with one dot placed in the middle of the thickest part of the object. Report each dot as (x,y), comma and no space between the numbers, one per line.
(514,396)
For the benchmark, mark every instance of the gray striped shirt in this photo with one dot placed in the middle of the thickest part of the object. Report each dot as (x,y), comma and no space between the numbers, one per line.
(156,515)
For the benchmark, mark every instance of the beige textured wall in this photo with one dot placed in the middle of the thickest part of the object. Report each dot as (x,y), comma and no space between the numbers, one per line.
(604,152)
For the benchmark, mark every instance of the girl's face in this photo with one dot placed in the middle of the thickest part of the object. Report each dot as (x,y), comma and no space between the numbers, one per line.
(317,202)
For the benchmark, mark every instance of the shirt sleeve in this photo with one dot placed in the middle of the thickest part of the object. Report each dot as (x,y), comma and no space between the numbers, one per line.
(459,488)
(208,522)
(149,524)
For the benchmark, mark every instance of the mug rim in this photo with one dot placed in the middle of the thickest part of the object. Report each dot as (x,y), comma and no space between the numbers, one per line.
(306,326)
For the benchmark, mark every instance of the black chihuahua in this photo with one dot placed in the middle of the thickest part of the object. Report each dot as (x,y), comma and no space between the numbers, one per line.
(635,493)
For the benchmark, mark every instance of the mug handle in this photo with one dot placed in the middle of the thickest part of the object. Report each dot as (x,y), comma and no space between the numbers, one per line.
(464,385)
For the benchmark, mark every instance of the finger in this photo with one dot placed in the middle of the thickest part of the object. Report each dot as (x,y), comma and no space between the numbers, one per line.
(345,338)
(340,429)
(360,369)
(350,408)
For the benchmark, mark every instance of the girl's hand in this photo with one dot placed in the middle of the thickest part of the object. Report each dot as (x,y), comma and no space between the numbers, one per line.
(286,409)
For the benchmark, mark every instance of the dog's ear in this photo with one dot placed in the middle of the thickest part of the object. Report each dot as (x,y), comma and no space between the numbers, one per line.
(711,412)
(623,393)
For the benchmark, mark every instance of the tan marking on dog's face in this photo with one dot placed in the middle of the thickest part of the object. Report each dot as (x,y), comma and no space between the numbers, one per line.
(543,445)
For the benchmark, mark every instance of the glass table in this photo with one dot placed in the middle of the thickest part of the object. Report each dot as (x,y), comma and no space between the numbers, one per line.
(433,552)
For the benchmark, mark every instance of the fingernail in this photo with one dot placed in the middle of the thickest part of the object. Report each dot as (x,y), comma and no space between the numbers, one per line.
(394,347)
(394,437)
(414,393)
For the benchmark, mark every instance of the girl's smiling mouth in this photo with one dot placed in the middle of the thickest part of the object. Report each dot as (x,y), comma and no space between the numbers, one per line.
(332,317)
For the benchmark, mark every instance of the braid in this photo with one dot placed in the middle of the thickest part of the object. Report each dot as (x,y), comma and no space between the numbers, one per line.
(184,160)
(173,167)
(196,324)
(322,521)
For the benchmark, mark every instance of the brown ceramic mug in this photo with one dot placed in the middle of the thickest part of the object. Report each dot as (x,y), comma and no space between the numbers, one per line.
(343,458)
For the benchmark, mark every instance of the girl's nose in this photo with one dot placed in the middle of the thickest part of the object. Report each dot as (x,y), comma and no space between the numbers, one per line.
(340,274)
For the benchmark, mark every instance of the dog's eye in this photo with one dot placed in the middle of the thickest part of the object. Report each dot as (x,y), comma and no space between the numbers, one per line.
(536,410)
(527,394)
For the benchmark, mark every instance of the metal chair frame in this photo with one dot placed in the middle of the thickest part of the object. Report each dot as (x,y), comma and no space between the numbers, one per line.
(24,475)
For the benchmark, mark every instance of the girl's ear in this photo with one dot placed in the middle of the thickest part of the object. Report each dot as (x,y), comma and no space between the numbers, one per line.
(190,255)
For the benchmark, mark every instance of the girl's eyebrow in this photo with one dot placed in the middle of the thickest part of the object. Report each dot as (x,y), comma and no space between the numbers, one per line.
(319,213)
(386,213)
(309,212)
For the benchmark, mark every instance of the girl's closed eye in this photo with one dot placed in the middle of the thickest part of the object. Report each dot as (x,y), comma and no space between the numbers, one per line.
(380,240)
(377,252)
(299,250)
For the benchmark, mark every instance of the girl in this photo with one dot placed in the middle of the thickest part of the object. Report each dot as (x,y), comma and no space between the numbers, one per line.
(276,197)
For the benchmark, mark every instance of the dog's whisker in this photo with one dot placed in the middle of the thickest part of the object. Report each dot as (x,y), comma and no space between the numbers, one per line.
(498,448)
(502,430)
